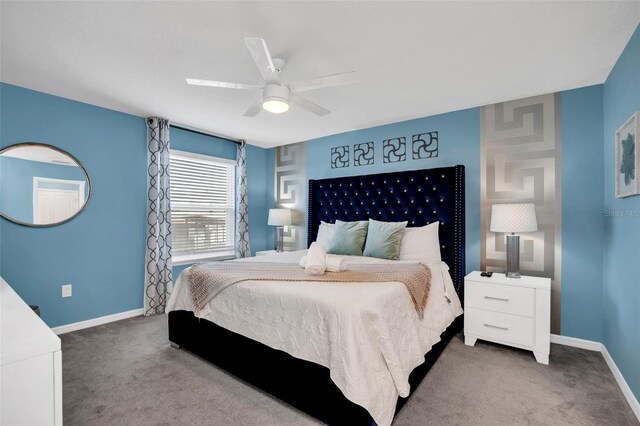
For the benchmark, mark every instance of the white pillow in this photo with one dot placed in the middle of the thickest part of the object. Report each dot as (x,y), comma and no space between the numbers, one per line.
(421,244)
(325,233)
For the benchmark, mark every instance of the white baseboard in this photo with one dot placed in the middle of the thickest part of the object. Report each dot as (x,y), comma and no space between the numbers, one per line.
(97,321)
(589,345)
(624,386)
(599,347)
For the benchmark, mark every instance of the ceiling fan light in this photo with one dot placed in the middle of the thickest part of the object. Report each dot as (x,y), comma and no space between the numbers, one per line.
(275,105)
(275,98)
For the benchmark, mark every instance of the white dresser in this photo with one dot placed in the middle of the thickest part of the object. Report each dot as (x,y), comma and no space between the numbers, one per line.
(30,365)
(510,311)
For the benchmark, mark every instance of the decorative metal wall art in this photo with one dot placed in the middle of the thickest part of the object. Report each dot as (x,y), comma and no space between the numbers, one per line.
(394,150)
(340,157)
(425,145)
(363,154)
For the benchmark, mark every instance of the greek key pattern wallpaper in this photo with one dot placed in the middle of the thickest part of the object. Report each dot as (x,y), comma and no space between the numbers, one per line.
(291,191)
(520,162)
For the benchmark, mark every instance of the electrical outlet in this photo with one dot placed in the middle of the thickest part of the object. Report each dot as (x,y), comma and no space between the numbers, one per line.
(66,290)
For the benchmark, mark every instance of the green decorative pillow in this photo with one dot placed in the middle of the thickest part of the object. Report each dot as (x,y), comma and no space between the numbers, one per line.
(383,239)
(348,238)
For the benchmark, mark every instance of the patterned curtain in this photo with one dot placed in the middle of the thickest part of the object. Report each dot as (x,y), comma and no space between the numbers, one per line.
(158,274)
(242,209)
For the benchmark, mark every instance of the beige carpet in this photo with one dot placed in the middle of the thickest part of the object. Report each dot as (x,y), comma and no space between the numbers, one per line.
(125,373)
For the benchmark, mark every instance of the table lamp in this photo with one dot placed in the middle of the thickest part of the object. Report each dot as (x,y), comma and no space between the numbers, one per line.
(512,218)
(279,218)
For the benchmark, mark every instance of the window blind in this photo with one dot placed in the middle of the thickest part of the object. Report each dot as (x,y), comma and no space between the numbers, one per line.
(202,206)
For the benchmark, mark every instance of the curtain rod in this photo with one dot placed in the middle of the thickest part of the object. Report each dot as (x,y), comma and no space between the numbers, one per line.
(202,132)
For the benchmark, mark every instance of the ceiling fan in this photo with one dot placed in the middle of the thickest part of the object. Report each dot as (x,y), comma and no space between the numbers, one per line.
(276,96)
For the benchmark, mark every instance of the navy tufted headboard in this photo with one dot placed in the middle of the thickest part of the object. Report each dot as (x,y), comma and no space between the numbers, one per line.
(417,196)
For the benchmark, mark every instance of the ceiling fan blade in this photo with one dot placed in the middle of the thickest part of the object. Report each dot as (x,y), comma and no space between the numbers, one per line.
(325,81)
(262,57)
(254,109)
(223,84)
(308,105)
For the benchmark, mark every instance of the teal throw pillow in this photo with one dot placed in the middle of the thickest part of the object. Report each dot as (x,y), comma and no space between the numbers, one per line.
(348,238)
(383,239)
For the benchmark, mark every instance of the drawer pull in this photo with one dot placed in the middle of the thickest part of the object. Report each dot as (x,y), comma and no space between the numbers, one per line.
(497,298)
(496,326)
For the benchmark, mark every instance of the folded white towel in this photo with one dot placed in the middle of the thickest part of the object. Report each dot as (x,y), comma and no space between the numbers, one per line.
(334,263)
(316,259)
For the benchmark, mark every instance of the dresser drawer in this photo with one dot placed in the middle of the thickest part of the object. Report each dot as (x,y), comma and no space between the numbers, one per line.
(503,328)
(500,298)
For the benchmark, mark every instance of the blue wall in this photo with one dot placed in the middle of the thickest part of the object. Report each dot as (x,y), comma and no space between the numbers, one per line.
(621,284)
(271,196)
(16,189)
(583,224)
(459,143)
(100,252)
(258,192)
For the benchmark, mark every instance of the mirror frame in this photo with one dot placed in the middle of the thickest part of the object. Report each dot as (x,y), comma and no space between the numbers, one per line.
(62,151)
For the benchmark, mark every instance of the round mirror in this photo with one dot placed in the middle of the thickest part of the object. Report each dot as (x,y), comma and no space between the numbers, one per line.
(41,185)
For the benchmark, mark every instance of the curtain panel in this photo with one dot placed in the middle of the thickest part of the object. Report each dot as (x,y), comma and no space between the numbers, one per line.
(242,209)
(158,265)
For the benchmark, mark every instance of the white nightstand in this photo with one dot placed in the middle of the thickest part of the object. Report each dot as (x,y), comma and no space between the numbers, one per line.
(510,311)
(266,252)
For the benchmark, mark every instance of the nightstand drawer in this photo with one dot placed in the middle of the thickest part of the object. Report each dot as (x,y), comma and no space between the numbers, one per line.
(500,327)
(500,298)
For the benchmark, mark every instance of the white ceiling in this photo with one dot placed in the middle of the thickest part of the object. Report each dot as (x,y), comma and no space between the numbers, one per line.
(413,59)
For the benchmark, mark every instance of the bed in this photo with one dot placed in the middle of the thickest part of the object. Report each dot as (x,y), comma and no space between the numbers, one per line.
(310,344)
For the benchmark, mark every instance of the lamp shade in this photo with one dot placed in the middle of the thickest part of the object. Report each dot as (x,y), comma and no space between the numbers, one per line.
(279,217)
(513,218)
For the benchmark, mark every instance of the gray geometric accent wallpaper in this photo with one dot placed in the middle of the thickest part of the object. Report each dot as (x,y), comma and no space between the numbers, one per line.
(520,153)
(291,192)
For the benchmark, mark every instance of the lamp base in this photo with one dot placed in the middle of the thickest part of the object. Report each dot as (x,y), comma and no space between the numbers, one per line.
(279,239)
(513,256)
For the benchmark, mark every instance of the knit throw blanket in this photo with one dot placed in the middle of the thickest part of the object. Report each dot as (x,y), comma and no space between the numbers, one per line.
(207,280)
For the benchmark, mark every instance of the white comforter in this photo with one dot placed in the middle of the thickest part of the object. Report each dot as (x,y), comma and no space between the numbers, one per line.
(368,334)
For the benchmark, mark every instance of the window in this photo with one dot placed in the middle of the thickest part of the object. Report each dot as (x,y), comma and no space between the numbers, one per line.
(202,207)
